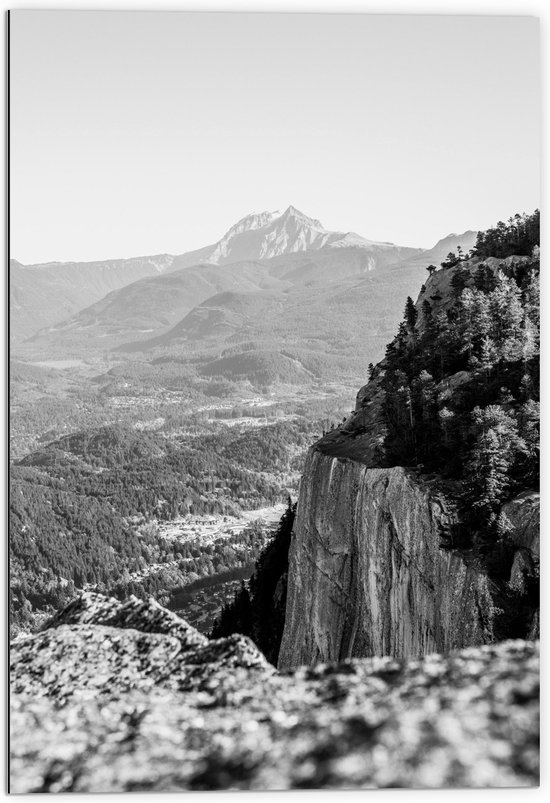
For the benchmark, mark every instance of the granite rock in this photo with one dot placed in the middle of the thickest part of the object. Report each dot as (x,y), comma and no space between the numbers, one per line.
(367,574)
(112,708)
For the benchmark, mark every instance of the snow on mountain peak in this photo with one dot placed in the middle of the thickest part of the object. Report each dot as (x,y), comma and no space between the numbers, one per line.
(265,235)
(295,214)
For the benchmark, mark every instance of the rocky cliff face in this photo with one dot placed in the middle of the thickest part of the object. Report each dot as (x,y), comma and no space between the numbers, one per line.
(367,575)
(115,697)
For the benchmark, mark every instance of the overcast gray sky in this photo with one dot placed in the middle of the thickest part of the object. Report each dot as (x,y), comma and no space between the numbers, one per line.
(137,133)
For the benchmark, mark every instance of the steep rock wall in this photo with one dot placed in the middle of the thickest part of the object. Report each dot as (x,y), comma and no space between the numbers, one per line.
(367,575)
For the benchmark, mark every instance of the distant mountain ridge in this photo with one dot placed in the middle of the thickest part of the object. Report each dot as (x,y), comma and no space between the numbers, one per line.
(68,306)
(46,294)
(443,247)
(147,308)
(41,295)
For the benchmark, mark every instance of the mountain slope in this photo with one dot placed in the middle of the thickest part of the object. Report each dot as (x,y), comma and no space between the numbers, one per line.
(466,241)
(43,295)
(151,304)
(322,306)
(148,308)
(334,329)
(342,325)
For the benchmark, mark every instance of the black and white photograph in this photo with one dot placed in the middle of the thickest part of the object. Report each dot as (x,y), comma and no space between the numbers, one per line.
(273,377)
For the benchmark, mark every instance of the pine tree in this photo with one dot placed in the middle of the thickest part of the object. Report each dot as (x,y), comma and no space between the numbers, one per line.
(487,356)
(507,315)
(450,261)
(491,459)
(426,311)
(410,313)
(458,281)
(475,323)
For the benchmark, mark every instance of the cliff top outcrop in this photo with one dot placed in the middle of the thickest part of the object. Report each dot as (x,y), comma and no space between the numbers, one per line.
(155,707)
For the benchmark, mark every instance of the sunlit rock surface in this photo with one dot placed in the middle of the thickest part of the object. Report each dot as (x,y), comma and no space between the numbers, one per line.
(367,575)
(113,697)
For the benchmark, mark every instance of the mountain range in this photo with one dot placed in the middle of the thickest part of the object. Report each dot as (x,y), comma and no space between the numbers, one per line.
(322,285)
(280,278)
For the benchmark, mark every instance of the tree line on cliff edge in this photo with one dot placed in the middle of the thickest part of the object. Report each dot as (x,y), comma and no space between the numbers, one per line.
(461,380)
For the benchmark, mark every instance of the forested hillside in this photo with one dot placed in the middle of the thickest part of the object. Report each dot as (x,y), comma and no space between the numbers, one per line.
(461,379)
(88,509)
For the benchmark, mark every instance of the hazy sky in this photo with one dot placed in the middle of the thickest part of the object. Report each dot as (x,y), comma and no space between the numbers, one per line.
(138,133)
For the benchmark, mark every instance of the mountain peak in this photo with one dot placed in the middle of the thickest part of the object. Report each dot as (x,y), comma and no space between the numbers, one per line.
(261,220)
(292,213)
(265,235)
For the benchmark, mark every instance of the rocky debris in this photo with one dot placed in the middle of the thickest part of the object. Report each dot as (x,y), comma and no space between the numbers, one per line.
(97,644)
(145,615)
(105,708)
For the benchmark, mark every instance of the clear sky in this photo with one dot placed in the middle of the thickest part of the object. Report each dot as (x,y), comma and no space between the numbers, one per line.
(138,133)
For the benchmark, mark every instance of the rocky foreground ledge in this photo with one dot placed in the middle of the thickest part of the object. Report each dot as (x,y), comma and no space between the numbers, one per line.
(120,697)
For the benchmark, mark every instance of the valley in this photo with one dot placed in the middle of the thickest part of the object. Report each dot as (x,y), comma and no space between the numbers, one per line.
(202,607)
(156,490)
(155,421)
(200,601)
